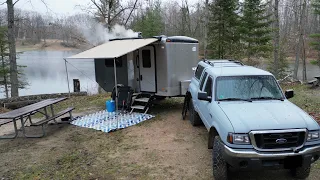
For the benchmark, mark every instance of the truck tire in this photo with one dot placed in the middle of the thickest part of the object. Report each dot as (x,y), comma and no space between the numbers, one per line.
(194,118)
(301,172)
(220,167)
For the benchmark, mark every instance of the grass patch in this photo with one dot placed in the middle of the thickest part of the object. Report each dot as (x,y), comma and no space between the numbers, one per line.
(305,97)
(82,103)
(314,62)
(85,154)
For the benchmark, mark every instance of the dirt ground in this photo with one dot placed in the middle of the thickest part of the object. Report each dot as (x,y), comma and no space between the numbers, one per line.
(165,147)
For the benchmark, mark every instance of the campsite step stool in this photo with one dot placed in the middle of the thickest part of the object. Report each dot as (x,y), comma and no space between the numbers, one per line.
(142,102)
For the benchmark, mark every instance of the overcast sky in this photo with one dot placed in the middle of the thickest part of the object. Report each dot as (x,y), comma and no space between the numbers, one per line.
(54,6)
(57,7)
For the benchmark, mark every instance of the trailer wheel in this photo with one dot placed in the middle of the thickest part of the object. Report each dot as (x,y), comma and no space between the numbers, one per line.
(194,118)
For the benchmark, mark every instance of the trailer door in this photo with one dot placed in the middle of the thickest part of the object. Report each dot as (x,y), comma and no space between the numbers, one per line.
(147,69)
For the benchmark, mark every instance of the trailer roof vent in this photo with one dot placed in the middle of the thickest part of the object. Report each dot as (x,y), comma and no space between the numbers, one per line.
(183,39)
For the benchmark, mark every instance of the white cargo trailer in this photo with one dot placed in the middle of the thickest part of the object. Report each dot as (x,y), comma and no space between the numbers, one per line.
(162,66)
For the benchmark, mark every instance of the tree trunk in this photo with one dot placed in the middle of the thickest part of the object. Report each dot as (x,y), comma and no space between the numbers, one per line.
(5,78)
(109,16)
(12,51)
(276,38)
(297,46)
(303,22)
(206,17)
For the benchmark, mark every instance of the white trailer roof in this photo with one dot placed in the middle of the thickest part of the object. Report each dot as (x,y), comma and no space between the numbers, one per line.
(113,49)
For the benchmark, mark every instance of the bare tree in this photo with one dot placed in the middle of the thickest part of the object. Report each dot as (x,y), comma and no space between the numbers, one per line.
(12,49)
(276,37)
(302,35)
(134,6)
(107,12)
(206,17)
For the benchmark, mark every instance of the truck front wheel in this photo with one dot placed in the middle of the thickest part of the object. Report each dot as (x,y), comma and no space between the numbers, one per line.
(301,172)
(194,118)
(220,167)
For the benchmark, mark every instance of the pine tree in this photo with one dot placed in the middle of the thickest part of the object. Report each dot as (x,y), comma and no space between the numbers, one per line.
(4,68)
(223,29)
(150,23)
(255,30)
(5,65)
(316,37)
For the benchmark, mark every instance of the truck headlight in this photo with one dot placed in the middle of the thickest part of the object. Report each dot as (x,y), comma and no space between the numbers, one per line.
(238,138)
(313,135)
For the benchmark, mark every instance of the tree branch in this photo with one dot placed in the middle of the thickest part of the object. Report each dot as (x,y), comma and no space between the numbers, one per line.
(99,8)
(116,15)
(134,6)
(15,2)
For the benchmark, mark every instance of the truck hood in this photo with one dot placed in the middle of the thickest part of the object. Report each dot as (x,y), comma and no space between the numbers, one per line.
(266,115)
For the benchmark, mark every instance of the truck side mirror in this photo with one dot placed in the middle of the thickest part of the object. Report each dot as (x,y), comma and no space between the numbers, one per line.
(203,96)
(289,93)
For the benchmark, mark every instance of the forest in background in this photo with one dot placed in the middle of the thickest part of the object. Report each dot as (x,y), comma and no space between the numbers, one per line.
(254,31)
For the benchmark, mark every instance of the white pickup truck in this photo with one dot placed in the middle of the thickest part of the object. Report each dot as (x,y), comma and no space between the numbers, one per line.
(251,123)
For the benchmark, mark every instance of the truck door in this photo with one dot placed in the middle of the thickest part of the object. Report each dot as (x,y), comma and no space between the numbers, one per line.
(147,69)
(204,106)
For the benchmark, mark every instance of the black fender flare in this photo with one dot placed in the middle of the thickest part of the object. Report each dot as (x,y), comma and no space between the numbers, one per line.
(212,134)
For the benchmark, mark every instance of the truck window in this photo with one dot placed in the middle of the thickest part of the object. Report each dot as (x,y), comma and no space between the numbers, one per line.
(203,80)
(247,87)
(199,72)
(208,88)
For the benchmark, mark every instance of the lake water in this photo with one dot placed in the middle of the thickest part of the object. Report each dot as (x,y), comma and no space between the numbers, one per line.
(45,72)
(312,70)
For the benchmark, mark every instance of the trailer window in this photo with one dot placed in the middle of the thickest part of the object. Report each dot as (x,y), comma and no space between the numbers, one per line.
(110,62)
(199,71)
(146,58)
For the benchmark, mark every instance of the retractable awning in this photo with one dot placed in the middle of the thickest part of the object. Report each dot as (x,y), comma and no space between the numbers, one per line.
(113,49)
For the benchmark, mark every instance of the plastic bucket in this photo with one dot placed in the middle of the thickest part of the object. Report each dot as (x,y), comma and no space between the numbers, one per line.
(110,106)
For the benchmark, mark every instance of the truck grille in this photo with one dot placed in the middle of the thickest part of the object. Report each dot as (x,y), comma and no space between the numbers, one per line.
(279,140)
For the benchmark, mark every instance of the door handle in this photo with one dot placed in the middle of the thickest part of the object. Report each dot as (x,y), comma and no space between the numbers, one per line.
(140,77)
(210,115)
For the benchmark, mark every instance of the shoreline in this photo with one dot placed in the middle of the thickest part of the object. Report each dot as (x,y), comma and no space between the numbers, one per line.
(49,45)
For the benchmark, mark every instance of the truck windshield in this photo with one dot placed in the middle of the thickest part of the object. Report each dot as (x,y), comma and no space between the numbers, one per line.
(248,88)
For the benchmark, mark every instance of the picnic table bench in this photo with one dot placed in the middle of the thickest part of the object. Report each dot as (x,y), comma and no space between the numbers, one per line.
(24,114)
(315,82)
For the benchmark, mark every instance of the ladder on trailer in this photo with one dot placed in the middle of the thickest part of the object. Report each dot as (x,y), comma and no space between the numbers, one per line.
(142,102)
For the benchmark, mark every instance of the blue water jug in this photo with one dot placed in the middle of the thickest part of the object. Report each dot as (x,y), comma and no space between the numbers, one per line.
(110,106)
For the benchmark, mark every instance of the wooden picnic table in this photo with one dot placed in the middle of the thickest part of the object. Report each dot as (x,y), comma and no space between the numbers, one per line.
(26,112)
